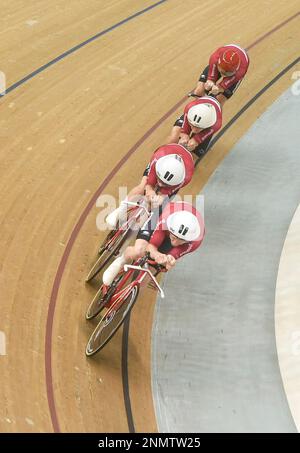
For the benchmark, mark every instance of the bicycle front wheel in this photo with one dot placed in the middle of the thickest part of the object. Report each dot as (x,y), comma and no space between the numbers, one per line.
(111,322)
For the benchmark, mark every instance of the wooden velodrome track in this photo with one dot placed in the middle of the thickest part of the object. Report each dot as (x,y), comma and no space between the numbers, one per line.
(64,133)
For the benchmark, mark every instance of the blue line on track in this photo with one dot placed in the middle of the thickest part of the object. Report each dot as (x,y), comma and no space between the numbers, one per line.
(79,46)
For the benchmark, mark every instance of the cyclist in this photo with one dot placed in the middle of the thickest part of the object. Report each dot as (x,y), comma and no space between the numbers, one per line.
(179,230)
(170,168)
(200,120)
(227,68)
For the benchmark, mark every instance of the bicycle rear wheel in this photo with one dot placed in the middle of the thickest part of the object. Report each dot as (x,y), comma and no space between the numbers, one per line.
(106,253)
(97,304)
(111,322)
(106,240)
(99,300)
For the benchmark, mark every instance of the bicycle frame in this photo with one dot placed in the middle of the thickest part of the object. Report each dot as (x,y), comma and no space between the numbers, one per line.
(129,222)
(123,289)
(122,295)
(143,273)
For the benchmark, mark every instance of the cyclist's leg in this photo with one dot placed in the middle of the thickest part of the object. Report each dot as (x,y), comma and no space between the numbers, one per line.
(176,129)
(139,189)
(135,251)
(200,90)
(138,249)
(120,212)
(131,253)
(143,237)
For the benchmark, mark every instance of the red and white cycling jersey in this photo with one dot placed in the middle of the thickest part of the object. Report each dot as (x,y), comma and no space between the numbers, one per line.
(203,135)
(227,82)
(161,233)
(165,150)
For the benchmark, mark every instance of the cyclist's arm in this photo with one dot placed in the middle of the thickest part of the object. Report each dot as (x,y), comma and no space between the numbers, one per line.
(160,258)
(150,188)
(216,90)
(192,144)
(149,191)
(183,138)
(154,197)
(213,66)
(167,260)
(221,98)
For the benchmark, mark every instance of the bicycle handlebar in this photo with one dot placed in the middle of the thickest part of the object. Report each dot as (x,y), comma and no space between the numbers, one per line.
(139,268)
(157,267)
(131,203)
(193,95)
(147,259)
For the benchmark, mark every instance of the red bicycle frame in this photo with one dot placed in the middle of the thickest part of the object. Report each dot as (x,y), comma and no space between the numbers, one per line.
(122,290)
(136,210)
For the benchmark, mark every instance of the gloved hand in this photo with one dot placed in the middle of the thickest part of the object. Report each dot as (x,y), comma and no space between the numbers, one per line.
(208,85)
(170,262)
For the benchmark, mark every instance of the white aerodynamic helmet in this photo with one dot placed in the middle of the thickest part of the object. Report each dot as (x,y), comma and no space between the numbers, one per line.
(184,225)
(202,115)
(170,169)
